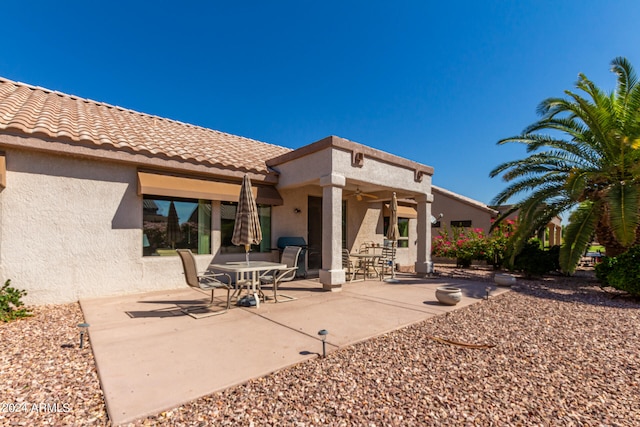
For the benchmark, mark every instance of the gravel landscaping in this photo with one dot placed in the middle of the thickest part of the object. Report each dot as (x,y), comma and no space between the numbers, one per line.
(559,352)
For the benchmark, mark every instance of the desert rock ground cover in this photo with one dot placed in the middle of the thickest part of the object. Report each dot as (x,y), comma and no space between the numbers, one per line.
(560,351)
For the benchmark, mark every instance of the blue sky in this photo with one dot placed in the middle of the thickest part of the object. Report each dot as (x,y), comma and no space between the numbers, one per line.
(436,82)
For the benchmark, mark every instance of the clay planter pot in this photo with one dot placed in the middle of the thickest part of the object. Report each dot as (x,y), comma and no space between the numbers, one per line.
(448,295)
(504,279)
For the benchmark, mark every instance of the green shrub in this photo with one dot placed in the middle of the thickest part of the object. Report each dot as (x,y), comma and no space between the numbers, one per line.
(498,243)
(534,261)
(624,272)
(604,268)
(11,305)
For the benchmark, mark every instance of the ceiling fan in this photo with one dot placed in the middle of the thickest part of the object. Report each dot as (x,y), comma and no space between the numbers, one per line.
(359,195)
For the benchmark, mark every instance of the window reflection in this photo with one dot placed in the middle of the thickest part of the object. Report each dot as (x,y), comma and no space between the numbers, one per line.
(228,220)
(175,223)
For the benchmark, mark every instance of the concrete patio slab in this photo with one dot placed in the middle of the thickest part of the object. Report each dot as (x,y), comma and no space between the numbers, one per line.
(152,357)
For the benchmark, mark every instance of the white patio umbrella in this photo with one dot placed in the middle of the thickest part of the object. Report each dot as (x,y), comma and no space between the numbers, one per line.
(246,230)
(392,235)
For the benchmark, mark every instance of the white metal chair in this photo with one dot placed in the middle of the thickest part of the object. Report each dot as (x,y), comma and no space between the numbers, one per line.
(203,282)
(290,256)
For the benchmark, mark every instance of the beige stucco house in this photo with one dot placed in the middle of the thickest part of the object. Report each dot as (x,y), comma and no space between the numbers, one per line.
(454,210)
(87,191)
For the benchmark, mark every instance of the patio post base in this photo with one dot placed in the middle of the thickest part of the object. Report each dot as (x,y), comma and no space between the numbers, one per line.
(424,267)
(332,280)
(331,288)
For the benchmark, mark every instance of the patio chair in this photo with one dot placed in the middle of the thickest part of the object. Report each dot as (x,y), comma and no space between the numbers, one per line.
(350,266)
(203,282)
(365,246)
(385,262)
(290,256)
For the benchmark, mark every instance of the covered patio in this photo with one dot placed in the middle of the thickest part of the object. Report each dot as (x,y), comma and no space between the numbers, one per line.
(353,183)
(152,357)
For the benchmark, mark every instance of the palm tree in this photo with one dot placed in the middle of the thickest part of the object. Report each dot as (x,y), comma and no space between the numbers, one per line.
(589,164)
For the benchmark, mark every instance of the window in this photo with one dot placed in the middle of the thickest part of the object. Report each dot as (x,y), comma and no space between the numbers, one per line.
(465,223)
(228,220)
(171,223)
(403,228)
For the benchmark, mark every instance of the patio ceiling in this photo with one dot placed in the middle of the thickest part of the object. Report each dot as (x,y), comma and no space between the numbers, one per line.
(382,193)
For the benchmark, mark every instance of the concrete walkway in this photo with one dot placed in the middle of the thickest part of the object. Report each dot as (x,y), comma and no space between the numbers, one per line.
(151,357)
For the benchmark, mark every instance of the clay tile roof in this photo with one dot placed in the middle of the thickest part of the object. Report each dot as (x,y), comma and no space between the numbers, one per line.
(35,111)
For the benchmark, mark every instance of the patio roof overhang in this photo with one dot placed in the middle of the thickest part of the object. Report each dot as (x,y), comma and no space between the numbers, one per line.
(363,168)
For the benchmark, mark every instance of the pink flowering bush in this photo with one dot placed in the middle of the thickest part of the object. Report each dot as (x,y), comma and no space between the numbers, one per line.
(463,244)
(466,245)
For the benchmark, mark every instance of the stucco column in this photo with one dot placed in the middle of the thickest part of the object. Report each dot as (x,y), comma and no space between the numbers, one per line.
(332,274)
(423,258)
(552,234)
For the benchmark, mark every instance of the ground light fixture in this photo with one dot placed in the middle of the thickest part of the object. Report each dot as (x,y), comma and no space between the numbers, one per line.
(83,329)
(323,334)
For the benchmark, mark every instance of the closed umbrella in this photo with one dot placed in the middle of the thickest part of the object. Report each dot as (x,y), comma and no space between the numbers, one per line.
(174,234)
(246,230)
(393,234)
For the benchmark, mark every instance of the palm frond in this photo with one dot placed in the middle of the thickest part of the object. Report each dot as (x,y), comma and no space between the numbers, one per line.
(550,187)
(624,213)
(578,234)
(596,118)
(591,89)
(627,79)
(534,216)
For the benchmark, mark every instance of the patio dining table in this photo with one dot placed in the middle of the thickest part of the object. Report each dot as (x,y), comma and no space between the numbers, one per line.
(248,273)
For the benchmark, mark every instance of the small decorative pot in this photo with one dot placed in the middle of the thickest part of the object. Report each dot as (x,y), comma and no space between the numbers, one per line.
(448,295)
(504,279)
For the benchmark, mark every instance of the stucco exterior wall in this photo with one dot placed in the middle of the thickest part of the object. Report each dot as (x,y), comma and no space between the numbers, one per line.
(310,168)
(457,210)
(380,173)
(364,223)
(285,220)
(71,228)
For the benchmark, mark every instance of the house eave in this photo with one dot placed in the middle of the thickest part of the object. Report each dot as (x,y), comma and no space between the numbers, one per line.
(140,159)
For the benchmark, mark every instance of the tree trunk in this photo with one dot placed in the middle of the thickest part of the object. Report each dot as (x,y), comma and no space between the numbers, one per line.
(606,238)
